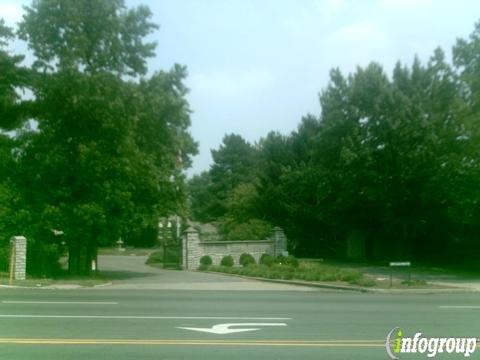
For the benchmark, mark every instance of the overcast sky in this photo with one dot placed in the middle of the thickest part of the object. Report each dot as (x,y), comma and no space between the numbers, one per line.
(258,65)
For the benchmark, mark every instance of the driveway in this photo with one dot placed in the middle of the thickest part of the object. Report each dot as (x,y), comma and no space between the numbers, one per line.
(130,272)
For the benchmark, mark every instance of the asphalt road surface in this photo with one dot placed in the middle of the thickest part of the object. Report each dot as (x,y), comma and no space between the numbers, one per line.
(161,323)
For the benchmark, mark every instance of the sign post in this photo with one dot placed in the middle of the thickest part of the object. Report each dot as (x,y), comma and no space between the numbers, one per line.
(399,264)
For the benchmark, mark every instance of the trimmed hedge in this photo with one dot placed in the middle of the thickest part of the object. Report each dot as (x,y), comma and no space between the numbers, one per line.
(267,260)
(292,261)
(206,260)
(247,259)
(227,261)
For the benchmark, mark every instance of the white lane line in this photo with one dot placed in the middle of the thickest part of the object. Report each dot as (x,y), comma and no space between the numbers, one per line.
(137,317)
(63,302)
(459,307)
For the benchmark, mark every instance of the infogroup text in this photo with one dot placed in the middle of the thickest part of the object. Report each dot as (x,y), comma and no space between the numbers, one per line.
(397,344)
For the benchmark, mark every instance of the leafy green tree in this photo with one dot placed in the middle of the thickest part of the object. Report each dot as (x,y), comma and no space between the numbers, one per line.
(201,197)
(388,170)
(14,78)
(13,113)
(109,149)
(235,163)
(390,164)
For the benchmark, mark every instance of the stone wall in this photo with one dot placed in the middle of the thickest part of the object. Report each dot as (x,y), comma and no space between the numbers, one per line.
(193,248)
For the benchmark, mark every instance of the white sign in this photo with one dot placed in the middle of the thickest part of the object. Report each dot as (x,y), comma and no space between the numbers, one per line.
(401,263)
(222,329)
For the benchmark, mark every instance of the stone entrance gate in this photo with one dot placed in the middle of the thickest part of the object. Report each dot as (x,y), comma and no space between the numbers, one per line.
(193,248)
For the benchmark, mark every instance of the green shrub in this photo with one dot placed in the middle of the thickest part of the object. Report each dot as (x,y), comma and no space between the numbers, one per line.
(267,260)
(155,258)
(273,274)
(206,260)
(202,267)
(246,259)
(280,259)
(292,261)
(243,271)
(227,261)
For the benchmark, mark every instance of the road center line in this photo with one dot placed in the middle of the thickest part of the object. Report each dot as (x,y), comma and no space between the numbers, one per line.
(136,317)
(63,302)
(459,307)
(294,343)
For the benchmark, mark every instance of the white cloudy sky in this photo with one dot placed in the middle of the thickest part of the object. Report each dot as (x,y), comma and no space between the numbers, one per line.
(258,65)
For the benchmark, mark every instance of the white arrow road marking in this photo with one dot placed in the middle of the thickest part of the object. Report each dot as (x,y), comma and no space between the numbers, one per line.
(222,329)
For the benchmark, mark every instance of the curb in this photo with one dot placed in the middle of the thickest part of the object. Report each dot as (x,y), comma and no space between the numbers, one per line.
(11,287)
(57,286)
(103,285)
(312,284)
(350,288)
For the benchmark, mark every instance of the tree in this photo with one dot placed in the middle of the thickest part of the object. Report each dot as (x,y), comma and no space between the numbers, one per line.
(13,113)
(235,163)
(105,159)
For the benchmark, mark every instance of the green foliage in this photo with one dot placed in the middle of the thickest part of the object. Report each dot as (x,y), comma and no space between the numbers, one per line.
(106,157)
(386,162)
(252,229)
(4,258)
(203,267)
(235,164)
(304,272)
(155,258)
(348,275)
(227,261)
(246,259)
(172,257)
(99,35)
(291,260)
(267,260)
(206,260)
(43,260)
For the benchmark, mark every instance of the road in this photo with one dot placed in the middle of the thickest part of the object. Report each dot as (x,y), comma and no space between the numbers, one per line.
(139,323)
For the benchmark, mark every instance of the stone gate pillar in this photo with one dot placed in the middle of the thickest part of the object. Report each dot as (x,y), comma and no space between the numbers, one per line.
(279,241)
(190,249)
(18,254)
